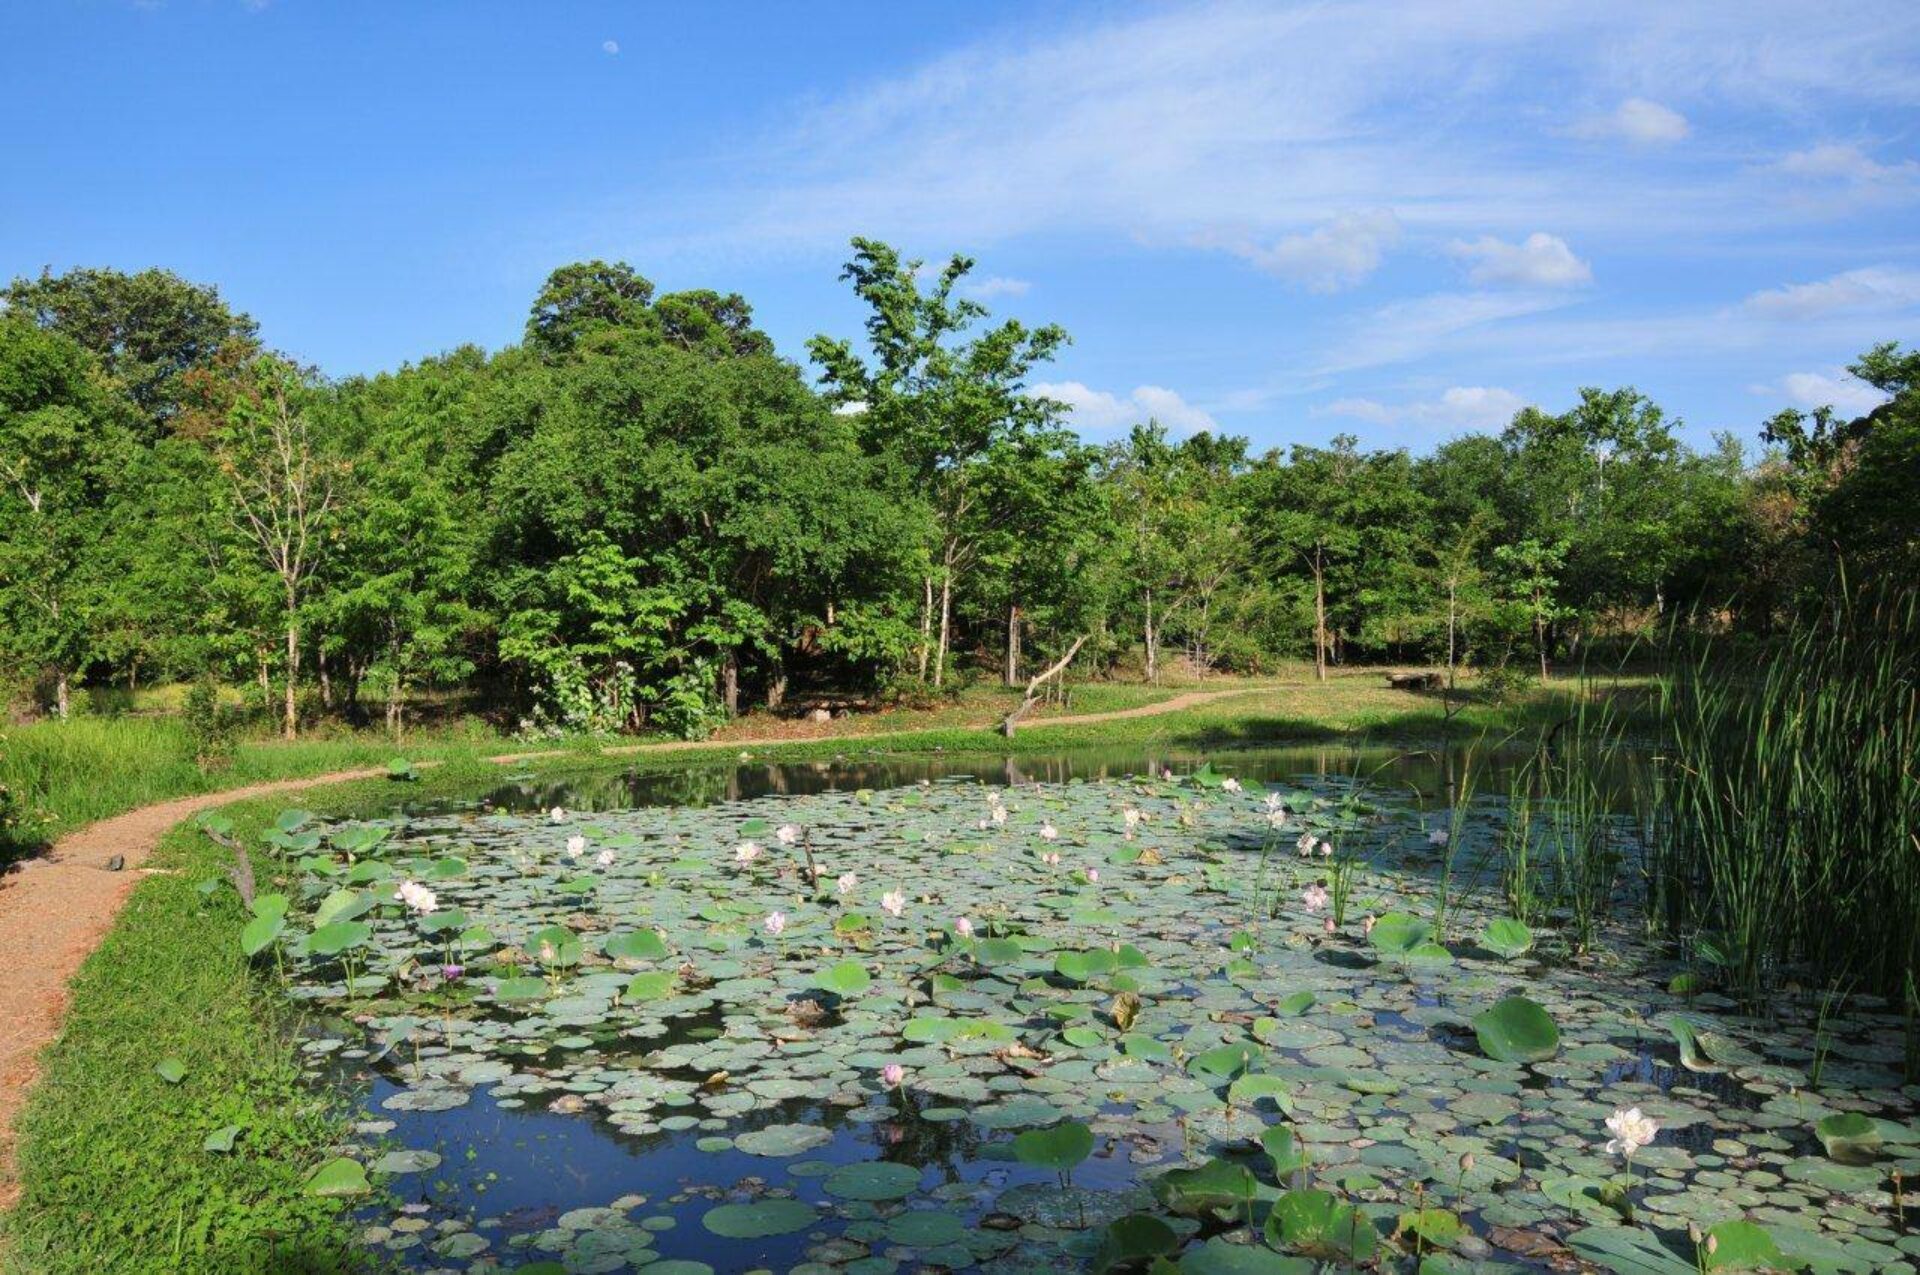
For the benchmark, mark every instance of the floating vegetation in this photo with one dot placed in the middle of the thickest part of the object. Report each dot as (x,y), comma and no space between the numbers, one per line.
(1100,1025)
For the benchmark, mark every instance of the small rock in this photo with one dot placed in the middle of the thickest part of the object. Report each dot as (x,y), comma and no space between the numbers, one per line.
(116,863)
(819,715)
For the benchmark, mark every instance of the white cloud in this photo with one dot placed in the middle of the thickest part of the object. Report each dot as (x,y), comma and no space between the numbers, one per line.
(610,47)
(1846,162)
(1637,120)
(1833,388)
(1477,407)
(997,286)
(1538,261)
(1098,411)
(1875,289)
(1338,254)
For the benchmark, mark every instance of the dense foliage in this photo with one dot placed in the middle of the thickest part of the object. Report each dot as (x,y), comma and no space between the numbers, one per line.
(643,516)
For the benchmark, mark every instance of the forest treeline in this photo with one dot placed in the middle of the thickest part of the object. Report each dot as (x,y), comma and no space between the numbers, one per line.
(643,516)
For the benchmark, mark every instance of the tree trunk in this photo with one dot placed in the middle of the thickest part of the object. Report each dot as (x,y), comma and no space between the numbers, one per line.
(730,683)
(1319,617)
(291,722)
(396,709)
(1013,645)
(946,631)
(777,684)
(1027,701)
(62,696)
(926,625)
(1540,637)
(1153,644)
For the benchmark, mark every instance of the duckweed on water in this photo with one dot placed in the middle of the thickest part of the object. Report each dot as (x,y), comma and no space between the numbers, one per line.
(1148,1045)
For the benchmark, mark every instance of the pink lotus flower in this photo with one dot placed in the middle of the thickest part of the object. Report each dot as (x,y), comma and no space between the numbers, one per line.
(894,1075)
(746,852)
(604,858)
(963,927)
(776,923)
(1328,926)
(893,902)
(1047,831)
(1314,896)
(1366,924)
(576,846)
(788,833)
(1326,849)
(1051,858)
(1093,876)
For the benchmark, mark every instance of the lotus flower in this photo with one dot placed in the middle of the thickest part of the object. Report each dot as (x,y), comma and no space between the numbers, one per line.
(576,846)
(1047,831)
(776,923)
(893,902)
(746,852)
(1229,785)
(1438,837)
(1051,858)
(1305,844)
(846,882)
(557,815)
(963,927)
(1274,803)
(452,972)
(1631,1129)
(788,833)
(417,897)
(894,1075)
(604,858)
(1314,896)
(1328,926)
(1367,924)
(1326,849)
(1093,876)
(998,814)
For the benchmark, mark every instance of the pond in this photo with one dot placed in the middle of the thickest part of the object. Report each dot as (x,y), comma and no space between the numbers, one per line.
(1049,1014)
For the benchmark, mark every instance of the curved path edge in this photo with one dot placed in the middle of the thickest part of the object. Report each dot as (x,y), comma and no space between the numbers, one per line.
(55,909)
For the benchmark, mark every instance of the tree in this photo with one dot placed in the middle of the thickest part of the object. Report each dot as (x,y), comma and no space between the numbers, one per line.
(282,486)
(1532,569)
(149,330)
(587,296)
(943,402)
(62,446)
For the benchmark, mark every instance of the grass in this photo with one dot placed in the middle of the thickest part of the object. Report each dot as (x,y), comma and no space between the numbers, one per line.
(113,1175)
(1789,842)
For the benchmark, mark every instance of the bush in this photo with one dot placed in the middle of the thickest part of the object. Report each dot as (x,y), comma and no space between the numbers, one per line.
(209,727)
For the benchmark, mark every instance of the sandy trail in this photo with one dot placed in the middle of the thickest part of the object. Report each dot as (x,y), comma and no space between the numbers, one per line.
(54,910)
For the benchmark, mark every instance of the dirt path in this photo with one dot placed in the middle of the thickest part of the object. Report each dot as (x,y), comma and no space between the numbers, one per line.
(54,910)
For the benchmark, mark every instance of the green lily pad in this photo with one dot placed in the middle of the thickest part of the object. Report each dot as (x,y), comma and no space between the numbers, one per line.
(759,1219)
(872,1180)
(336,1178)
(1517,1030)
(1059,1148)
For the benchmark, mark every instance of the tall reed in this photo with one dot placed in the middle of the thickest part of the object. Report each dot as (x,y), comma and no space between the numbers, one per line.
(1788,837)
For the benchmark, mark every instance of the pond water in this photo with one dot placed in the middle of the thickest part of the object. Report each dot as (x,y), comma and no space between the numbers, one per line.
(630,1068)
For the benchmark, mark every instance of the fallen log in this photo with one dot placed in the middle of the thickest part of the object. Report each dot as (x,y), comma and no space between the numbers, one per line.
(1041,679)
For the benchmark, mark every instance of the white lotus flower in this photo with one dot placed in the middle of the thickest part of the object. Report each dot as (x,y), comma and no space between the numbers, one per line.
(557,815)
(417,897)
(1230,785)
(1631,1129)
(788,833)
(1438,837)
(1047,831)
(846,882)
(893,902)
(746,852)
(776,923)
(576,846)
(604,858)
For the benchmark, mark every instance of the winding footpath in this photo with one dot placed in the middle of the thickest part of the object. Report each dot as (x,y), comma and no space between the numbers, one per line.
(54,910)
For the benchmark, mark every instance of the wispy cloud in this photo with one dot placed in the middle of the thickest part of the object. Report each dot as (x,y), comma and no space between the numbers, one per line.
(1538,261)
(997,286)
(1100,412)
(1832,388)
(1638,120)
(1471,407)
(1875,289)
(1330,257)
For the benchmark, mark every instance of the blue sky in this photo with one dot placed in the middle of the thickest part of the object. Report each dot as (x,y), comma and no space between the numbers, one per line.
(1400,220)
